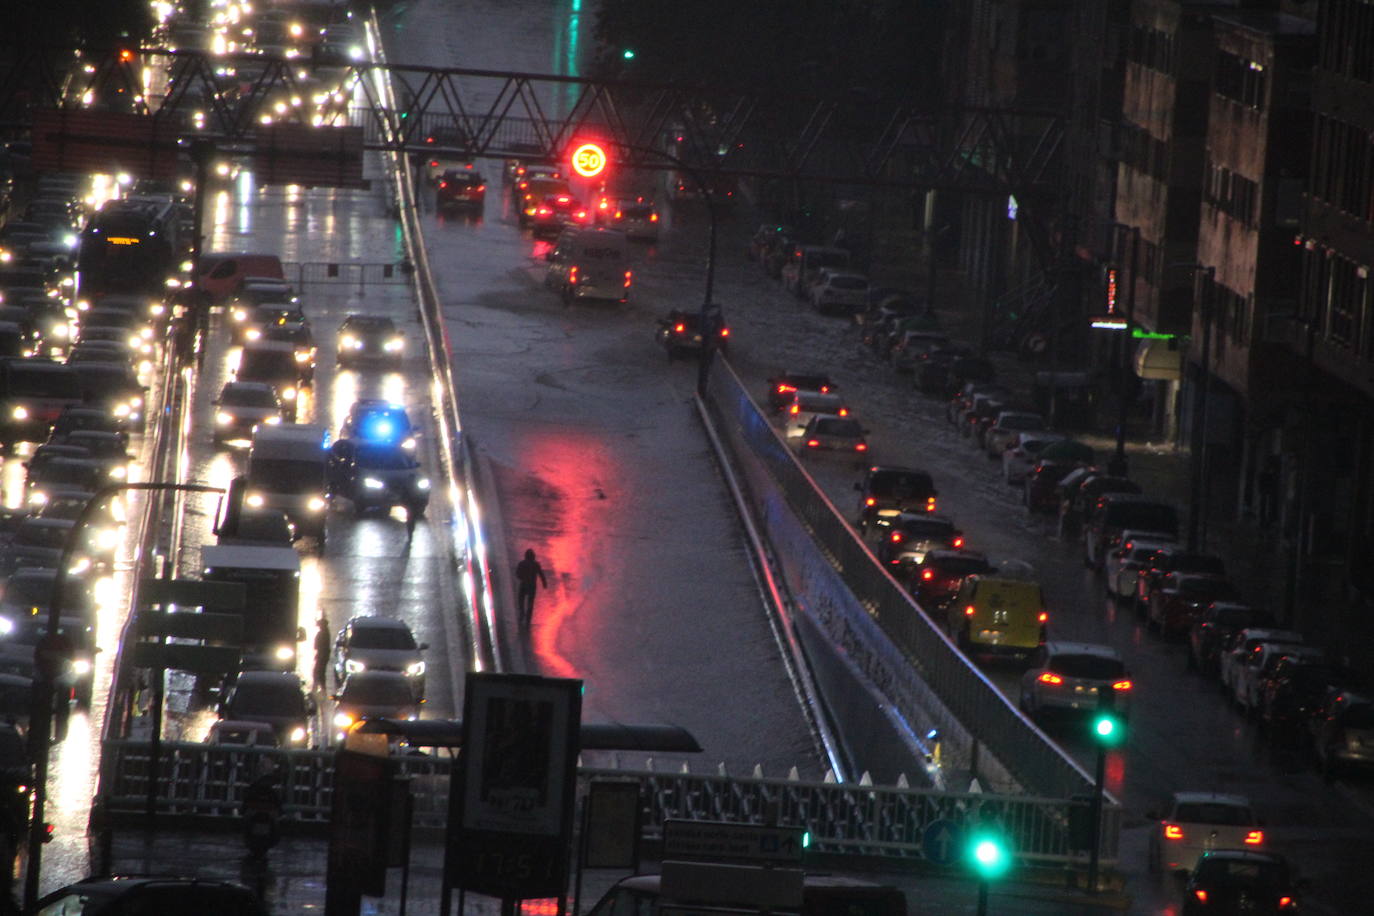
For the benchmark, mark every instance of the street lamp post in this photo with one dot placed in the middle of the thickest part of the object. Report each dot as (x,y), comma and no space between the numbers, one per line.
(40,724)
(1197,528)
(1118,465)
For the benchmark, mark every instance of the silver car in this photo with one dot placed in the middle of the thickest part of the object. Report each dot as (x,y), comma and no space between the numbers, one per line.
(1071,676)
(380,644)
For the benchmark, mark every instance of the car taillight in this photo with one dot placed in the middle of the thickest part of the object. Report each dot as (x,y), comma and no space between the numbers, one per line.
(481,187)
(1285,903)
(927,575)
(443,184)
(629,277)
(433,163)
(825,389)
(1043,618)
(783,389)
(544,211)
(1122,685)
(843,411)
(724,332)
(1049,677)
(1254,838)
(958,542)
(861,447)
(968,611)
(653,217)
(572,276)
(796,408)
(1173,832)
(870,501)
(930,504)
(896,537)
(1201,895)
(562,199)
(813,443)
(679,328)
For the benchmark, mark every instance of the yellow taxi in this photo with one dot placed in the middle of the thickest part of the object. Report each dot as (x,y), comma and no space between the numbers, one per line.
(999,614)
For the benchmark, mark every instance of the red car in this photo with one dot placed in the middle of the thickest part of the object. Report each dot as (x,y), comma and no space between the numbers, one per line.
(1181,597)
(1042,484)
(460,188)
(936,579)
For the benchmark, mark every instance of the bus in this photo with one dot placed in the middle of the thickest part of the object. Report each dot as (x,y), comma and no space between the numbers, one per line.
(130,246)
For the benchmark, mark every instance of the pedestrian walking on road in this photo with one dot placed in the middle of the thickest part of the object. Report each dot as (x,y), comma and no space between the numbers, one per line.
(323,646)
(528,573)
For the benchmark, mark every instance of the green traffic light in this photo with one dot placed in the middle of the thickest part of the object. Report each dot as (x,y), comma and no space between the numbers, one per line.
(989,856)
(1107,728)
(806,840)
(628,54)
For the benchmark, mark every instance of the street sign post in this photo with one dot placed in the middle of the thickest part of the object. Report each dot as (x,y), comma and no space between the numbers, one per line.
(718,842)
(942,842)
(511,805)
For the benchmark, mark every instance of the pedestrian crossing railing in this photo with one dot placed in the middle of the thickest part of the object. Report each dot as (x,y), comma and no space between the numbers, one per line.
(358,274)
(204,783)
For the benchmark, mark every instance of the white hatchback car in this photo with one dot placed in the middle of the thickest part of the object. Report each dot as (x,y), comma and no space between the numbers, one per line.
(1005,428)
(1238,653)
(839,291)
(1021,455)
(1070,676)
(1122,564)
(1199,822)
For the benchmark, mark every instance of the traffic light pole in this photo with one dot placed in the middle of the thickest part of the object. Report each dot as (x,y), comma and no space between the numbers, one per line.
(1095,816)
(40,725)
(708,310)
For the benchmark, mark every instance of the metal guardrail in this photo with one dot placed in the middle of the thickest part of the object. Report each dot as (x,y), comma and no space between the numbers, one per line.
(351,273)
(206,781)
(1036,763)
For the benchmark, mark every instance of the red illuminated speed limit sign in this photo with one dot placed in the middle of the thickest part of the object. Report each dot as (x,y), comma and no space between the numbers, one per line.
(589,160)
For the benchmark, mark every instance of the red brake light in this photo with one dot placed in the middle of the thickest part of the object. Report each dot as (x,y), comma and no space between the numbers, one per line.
(1049,677)
(1285,902)
(1254,838)
(653,217)
(1173,832)
(433,163)
(958,542)
(825,389)
(572,276)
(843,411)
(1122,685)
(930,504)
(679,328)
(968,611)
(1201,895)
(870,501)
(1043,618)
(927,574)
(896,537)
(813,443)
(724,332)
(861,447)
(618,214)
(443,184)
(783,389)
(481,187)
(795,408)
(468,166)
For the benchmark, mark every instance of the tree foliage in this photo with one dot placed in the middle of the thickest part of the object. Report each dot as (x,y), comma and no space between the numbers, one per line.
(888,47)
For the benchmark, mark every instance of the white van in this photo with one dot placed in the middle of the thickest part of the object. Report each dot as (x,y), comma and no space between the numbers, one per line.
(589,264)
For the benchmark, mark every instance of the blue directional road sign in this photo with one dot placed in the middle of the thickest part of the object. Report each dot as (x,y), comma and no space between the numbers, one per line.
(942,842)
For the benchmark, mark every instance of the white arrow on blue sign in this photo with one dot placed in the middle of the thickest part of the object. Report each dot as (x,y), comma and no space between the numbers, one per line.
(942,841)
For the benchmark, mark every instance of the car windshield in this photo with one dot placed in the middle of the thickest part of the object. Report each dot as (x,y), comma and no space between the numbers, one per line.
(637,211)
(285,476)
(927,527)
(820,403)
(67,472)
(1022,421)
(899,484)
(834,426)
(1218,813)
(267,364)
(368,325)
(248,397)
(386,459)
(1250,872)
(381,638)
(849,283)
(49,536)
(376,692)
(1095,667)
(268,699)
(961,566)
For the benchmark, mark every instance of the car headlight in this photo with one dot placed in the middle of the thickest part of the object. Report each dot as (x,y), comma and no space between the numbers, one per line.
(408,444)
(20,412)
(80,567)
(135,402)
(298,735)
(146,333)
(6,626)
(342,719)
(272,420)
(302,356)
(353,666)
(60,331)
(240,315)
(348,342)
(284,653)
(415,669)
(394,345)
(157,309)
(119,472)
(372,483)
(121,410)
(81,667)
(223,418)
(315,503)
(255,500)
(107,538)
(38,498)
(422,483)
(288,394)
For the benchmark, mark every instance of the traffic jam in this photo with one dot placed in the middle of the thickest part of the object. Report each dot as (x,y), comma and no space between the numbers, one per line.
(309,414)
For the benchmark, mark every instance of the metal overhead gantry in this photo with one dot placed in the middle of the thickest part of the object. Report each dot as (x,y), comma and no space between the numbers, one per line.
(854,139)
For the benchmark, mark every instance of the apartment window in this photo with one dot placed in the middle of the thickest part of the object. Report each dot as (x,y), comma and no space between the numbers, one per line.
(1343,167)
(1151,48)
(1347,293)
(1241,80)
(1231,193)
(1346,39)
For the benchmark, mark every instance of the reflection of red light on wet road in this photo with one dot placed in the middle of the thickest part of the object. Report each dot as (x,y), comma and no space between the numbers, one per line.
(1114,776)
(562,518)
